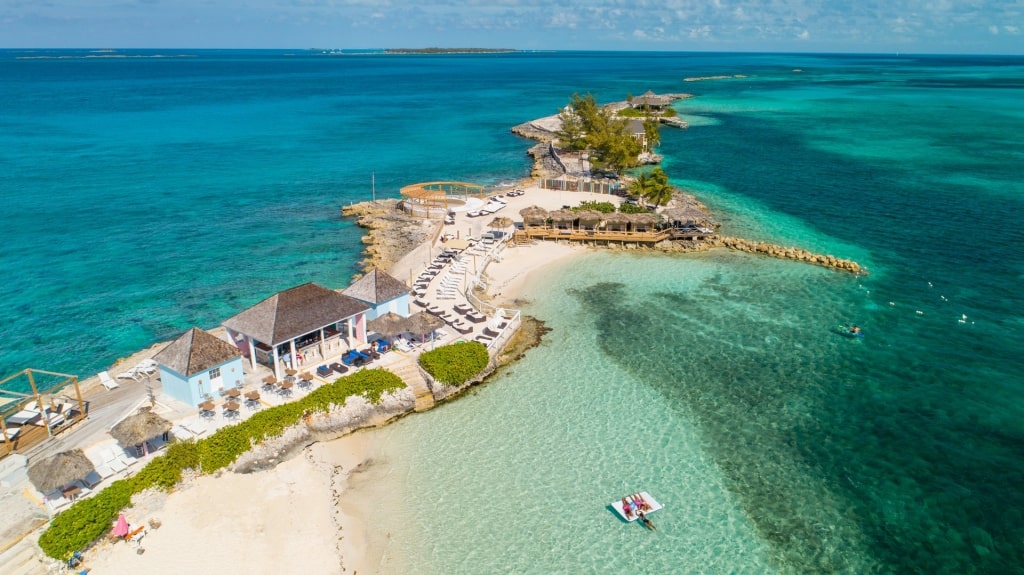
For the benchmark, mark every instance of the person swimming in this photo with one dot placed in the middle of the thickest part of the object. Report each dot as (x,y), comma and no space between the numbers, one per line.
(647,522)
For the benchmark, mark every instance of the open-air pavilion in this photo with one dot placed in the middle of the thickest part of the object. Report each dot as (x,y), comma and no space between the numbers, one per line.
(35,405)
(295,323)
(436,199)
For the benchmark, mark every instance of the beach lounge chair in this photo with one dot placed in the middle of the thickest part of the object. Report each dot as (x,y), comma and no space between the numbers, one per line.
(107,381)
(403,345)
(490,333)
(131,374)
(12,432)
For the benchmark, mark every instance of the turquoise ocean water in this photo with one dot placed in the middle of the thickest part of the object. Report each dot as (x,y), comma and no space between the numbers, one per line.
(147,194)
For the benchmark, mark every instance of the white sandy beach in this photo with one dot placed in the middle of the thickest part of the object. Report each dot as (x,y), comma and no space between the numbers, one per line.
(283,520)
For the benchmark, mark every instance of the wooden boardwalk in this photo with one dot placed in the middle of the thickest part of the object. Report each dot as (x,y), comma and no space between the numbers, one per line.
(605,236)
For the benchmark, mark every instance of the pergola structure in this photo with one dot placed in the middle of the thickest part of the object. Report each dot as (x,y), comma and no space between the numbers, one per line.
(298,318)
(26,408)
(433,199)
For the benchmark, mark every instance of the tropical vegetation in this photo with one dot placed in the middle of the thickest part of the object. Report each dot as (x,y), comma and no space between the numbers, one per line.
(457,363)
(586,125)
(652,187)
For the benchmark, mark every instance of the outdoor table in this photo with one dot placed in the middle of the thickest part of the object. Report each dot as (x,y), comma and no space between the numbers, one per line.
(270,379)
(253,396)
(306,376)
(233,392)
(286,385)
(206,406)
(70,493)
(290,372)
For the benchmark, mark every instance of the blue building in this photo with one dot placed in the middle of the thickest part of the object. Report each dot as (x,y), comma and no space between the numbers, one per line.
(381,292)
(198,363)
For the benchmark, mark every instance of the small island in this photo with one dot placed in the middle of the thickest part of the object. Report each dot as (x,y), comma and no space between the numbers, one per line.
(448,50)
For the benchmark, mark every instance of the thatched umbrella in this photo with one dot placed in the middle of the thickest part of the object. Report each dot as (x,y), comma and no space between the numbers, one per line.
(534,216)
(423,323)
(389,324)
(500,223)
(59,470)
(139,428)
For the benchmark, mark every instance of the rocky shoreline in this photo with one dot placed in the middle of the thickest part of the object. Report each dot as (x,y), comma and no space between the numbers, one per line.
(391,233)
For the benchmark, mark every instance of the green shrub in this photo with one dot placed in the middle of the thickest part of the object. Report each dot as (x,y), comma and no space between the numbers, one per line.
(603,207)
(89,519)
(455,364)
(627,208)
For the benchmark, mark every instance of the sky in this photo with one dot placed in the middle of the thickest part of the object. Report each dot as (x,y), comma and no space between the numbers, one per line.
(877,26)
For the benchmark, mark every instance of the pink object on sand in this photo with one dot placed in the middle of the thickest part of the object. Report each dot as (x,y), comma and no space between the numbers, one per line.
(121,527)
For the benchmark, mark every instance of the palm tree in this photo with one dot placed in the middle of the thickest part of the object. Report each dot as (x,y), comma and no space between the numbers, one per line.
(641,186)
(659,191)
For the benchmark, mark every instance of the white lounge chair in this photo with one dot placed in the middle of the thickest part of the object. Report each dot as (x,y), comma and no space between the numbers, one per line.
(131,374)
(107,381)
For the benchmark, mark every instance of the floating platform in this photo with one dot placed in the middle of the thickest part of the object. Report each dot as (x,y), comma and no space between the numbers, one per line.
(655,506)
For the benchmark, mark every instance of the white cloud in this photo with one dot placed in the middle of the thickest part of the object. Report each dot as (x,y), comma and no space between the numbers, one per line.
(994,30)
(1011,29)
(804,35)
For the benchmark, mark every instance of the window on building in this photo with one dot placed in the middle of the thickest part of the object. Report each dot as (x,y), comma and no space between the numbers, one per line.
(214,373)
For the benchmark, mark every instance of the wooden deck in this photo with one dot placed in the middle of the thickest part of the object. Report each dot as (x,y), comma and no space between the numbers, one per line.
(606,236)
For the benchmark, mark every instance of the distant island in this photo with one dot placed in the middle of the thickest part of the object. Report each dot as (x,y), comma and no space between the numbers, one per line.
(448,50)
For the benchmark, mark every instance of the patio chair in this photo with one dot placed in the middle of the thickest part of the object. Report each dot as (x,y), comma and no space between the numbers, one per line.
(324,371)
(107,381)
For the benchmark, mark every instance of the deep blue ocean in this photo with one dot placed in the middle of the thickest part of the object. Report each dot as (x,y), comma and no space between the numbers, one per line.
(145,192)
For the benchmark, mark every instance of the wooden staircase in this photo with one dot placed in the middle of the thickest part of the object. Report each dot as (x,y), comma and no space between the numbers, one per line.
(409,371)
(520,238)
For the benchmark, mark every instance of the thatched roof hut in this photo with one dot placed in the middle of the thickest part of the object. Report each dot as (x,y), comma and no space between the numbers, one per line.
(534,216)
(643,222)
(500,222)
(143,426)
(687,214)
(59,470)
(589,218)
(562,217)
(616,221)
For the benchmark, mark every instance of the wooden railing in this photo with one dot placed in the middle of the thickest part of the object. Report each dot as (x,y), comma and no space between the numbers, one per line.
(577,235)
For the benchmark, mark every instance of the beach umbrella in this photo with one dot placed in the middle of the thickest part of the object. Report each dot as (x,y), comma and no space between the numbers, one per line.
(58,470)
(500,222)
(423,323)
(389,324)
(138,428)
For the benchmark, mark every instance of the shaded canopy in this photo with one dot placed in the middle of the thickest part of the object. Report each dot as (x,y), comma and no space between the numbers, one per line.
(389,324)
(500,222)
(58,470)
(643,220)
(140,427)
(589,218)
(559,216)
(616,219)
(534,215)
(686,214)
(423,322)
